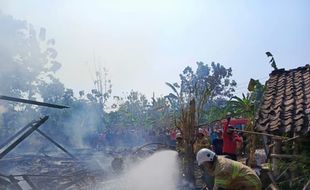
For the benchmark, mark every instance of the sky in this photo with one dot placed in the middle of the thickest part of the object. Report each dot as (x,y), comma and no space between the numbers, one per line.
(145,43)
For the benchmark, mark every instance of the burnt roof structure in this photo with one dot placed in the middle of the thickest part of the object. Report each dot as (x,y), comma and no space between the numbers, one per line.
(285,107)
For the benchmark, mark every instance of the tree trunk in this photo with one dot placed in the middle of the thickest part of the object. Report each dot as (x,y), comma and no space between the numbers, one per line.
(252,142)
(188,126)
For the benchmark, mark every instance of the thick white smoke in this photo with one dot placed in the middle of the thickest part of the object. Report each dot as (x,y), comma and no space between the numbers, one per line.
(159,171)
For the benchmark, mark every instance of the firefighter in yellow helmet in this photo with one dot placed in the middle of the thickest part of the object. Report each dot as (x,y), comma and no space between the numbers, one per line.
(201,141)
(180,148)
(228,174)
(180,145)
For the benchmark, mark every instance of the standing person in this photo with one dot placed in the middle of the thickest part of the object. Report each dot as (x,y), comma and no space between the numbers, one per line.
(217,144)
(230,140)
(228,174)
(214,135)
(180,145)
(201,141)
(180,148)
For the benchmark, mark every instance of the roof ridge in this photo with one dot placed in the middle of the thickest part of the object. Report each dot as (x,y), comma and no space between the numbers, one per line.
(281,71)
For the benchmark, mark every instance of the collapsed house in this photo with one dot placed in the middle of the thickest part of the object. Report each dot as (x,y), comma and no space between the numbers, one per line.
(81,169)
(42,171)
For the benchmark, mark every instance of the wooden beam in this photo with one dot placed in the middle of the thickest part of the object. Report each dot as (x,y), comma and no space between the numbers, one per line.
(307,185)
(55,143)
(276,150)
(23,136)
(258,133)
(273,185)
(287,140)
(32,102)
(284,156)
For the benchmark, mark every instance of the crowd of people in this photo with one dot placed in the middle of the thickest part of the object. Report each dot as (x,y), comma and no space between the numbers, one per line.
(216,150)
(216,154)
(134,137)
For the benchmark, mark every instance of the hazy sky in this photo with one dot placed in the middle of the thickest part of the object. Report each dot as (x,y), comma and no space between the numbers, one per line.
(145,43)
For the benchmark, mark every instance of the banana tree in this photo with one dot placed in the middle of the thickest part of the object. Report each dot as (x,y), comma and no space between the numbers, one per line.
(246,107)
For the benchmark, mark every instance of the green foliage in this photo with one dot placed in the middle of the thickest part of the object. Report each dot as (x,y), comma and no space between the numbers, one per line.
(272,61)
(208,85)
(242,107)
(25,61)
(216,113)
(298,172)
(28,64)
(247,105)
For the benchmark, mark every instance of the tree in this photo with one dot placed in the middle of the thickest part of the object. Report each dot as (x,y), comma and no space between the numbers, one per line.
(133,111)
(208,85)
(160,113)
(28,64)
(196,93)
(246,107)
(25,60)
(272,61)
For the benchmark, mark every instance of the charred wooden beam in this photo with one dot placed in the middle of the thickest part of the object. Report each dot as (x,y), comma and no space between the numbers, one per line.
(28,132)
(55,143)
(69,184)
(16,135)
(14,182)
(27,179)
(33,102)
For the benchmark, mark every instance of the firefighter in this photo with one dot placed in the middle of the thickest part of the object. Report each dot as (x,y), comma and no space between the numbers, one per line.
(201,141)
(180,148)
(228,174)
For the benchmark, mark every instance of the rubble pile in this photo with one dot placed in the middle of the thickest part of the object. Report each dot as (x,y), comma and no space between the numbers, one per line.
(50,173)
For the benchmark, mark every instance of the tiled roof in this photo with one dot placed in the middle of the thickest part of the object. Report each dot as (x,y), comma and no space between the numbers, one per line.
(285,107)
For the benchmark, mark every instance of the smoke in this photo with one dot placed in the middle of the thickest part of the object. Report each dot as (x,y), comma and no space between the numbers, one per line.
(159,171)
(81,126)
(2,111)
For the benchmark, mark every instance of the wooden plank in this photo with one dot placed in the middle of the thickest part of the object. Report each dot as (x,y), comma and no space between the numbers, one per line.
(284,156)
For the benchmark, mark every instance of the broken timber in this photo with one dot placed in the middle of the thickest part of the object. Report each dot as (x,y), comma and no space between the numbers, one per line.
(55,143)
(39,131)
(11,146)
(32,102)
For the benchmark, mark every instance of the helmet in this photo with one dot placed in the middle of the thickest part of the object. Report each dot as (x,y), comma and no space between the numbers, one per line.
(178,135)
(205,155)
(200,130)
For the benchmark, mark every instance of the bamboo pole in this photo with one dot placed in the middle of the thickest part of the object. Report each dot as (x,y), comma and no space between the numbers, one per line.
(284,156)
(276,151)
(287,140)
(259,133)
(273,185)
(307,185)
